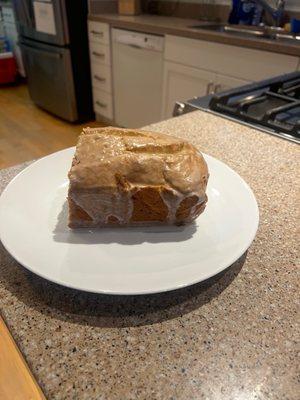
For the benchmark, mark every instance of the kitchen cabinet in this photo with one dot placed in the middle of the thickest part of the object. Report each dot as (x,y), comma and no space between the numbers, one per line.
(99,32)
(100,59)
(196,68)
(224,82)
(182,83)
(100,54)
(191,68)
(103,103)
(234,61)
(101,77)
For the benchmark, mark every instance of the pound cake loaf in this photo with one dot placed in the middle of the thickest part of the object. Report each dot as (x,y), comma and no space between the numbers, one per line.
(122,177)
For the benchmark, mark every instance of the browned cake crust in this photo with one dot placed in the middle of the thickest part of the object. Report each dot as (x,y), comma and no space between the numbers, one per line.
(122,177)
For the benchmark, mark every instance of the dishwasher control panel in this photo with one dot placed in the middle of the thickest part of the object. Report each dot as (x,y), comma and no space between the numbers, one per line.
(139,40)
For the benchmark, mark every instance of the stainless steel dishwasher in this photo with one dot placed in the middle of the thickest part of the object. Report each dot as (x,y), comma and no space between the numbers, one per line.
(137,76)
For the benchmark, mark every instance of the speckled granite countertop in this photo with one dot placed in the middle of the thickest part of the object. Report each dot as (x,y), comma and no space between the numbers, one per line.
(232,337)
(183,27)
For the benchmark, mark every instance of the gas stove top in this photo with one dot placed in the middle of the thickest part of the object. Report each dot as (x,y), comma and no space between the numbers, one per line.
(272,105)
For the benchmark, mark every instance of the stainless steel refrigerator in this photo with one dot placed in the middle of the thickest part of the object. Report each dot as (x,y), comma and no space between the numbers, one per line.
(54,43)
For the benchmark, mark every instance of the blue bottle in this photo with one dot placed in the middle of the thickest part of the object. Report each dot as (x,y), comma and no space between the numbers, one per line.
(245,12)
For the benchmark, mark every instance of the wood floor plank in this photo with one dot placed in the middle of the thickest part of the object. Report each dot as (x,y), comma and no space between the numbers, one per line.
(16,379)
(27,132)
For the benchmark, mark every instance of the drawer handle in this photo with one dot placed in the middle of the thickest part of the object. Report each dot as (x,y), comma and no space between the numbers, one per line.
(97,33)
(98,54)
(99,78)
(103,105)
(135,46)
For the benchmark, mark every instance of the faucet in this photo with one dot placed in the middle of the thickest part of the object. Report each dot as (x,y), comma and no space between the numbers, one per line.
(275,13)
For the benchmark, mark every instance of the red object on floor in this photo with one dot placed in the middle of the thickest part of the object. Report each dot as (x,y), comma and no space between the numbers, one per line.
(8,68)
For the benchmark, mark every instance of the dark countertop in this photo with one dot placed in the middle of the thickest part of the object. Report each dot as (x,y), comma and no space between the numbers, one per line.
(231,337)
(181,27)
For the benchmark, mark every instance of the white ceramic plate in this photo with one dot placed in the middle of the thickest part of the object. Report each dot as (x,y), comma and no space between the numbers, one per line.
(33,228)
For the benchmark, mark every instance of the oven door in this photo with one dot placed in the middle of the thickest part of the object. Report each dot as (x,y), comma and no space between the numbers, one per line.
(45,21)
(50,78)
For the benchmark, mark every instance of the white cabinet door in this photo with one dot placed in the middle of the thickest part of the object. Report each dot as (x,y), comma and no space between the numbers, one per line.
(182,83)
(224,82)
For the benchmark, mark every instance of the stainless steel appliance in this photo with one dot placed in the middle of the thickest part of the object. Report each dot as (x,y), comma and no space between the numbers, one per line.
(54,43)
(272,105)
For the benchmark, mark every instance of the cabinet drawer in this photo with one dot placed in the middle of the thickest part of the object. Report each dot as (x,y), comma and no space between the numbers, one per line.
(98,32)
(103,103)
(99,53)
(238,62)
(101,77)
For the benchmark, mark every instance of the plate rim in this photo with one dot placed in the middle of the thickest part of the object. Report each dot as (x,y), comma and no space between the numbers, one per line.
(223,266)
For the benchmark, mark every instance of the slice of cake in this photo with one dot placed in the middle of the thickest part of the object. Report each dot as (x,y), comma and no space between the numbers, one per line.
(123,177)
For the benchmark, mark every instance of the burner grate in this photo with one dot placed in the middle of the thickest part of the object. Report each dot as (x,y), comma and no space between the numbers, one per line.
(274,103)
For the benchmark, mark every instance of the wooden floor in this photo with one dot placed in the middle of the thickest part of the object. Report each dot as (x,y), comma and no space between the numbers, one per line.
(27,132)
